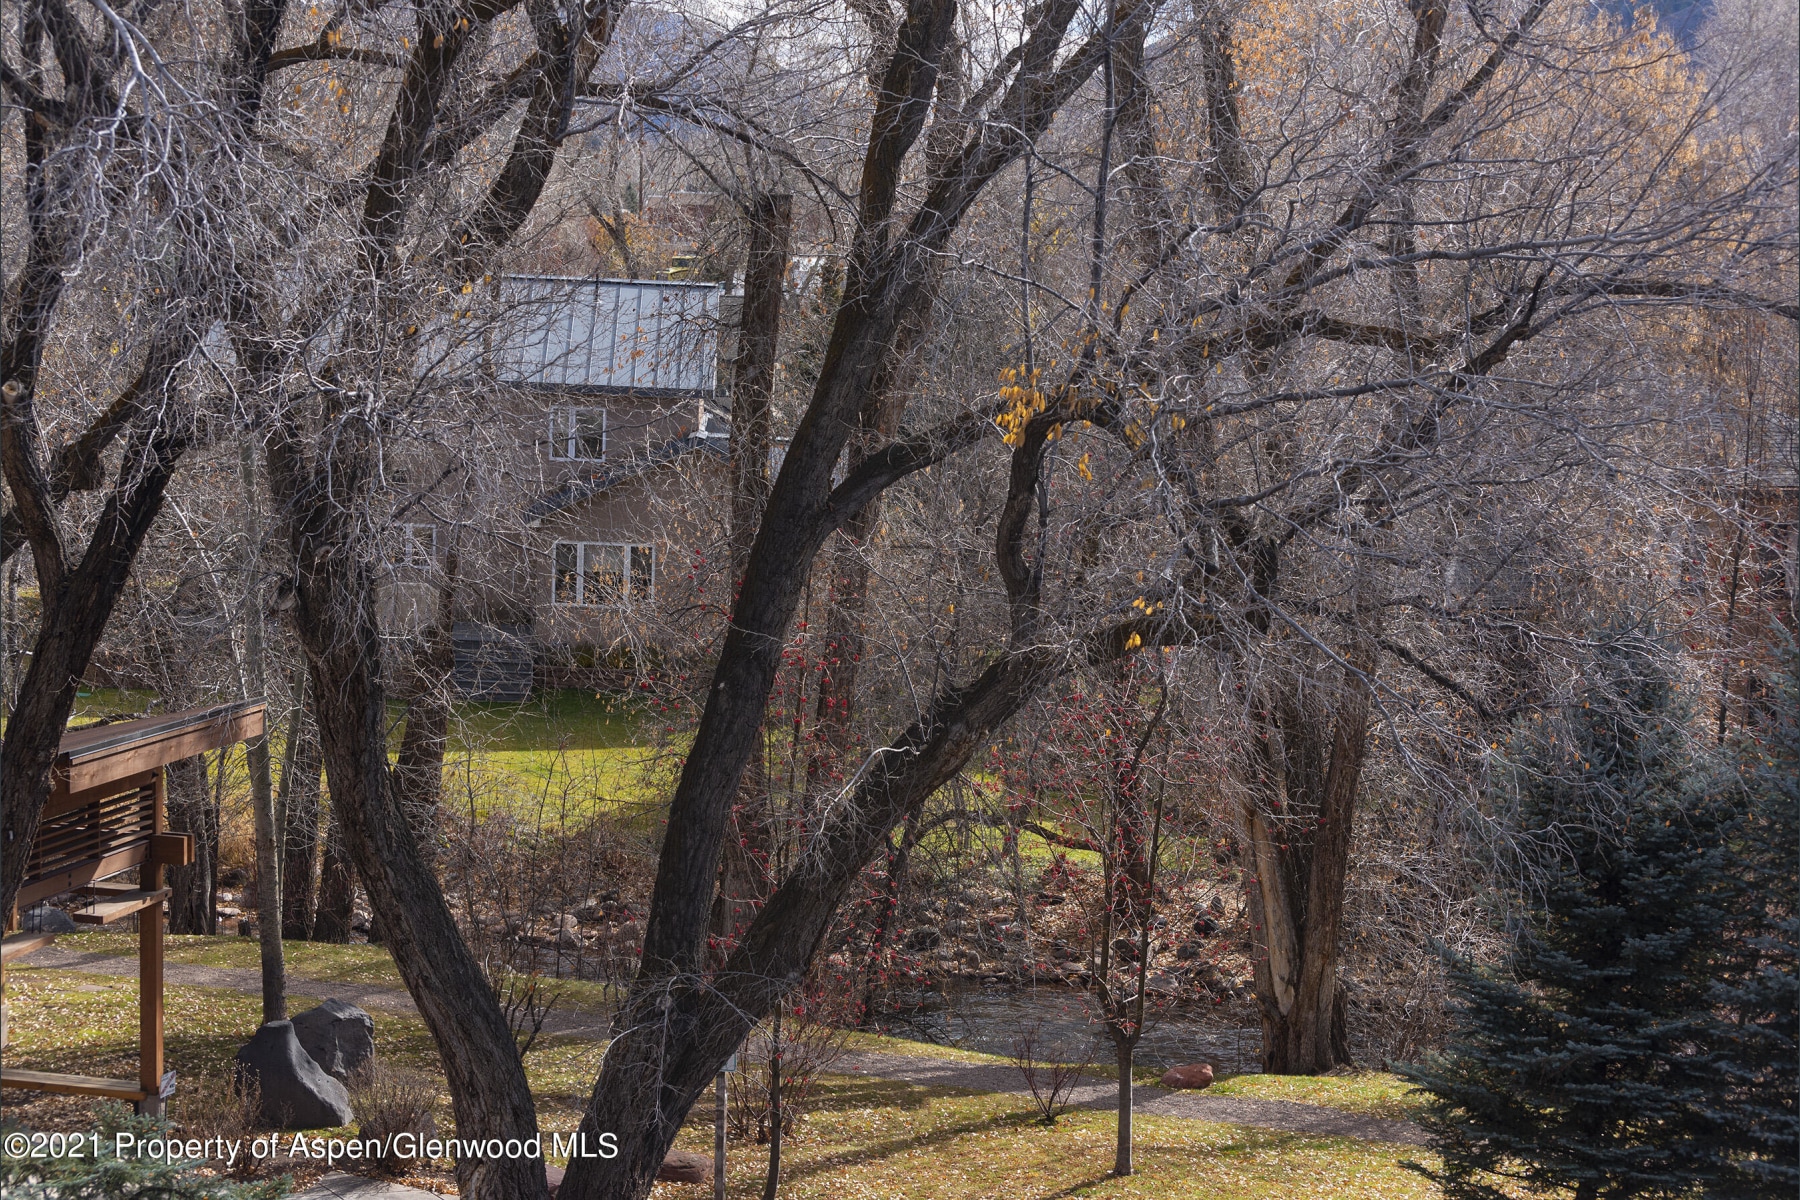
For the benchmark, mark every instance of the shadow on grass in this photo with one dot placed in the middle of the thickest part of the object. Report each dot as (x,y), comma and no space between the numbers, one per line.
(1075,1189)
(909,1098)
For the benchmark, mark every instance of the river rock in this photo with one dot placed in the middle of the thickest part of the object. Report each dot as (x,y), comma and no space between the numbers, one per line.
(925,937)
(340,1037)
(685,1166)
(44,919)
(1189,1075)
(294,1091)
(553,1175)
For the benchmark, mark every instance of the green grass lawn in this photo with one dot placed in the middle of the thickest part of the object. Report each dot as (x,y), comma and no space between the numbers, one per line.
(358,963)
(564,756)
(1372,1093)
(864,1138)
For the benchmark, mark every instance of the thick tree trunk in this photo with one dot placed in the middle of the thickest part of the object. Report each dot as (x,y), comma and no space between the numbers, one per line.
(335,617)
(673,1040)
(753,370)
(1298,851)
(337,886)
(744,869)
(678,1025)
(194,888)
(300,819)
(78,600)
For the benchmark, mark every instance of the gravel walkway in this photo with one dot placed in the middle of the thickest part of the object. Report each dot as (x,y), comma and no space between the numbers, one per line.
(1287,1116)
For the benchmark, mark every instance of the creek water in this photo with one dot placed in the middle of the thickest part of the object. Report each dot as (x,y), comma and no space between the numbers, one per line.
(987,1019)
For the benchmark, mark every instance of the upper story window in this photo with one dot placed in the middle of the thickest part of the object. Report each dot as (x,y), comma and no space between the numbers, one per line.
(578,434)
(418,546)
(595,574)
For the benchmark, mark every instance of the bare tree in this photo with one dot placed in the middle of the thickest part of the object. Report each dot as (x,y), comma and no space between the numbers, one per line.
(127,161)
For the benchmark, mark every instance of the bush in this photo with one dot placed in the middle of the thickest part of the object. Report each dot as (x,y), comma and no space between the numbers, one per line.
(391,1100)
(807,1048)
(220,1105)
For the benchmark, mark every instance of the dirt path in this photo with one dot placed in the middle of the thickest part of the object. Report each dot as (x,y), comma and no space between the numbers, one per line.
(1286,1116)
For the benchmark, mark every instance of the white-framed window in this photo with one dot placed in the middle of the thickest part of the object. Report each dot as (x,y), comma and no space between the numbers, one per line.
(597,574)
(578,434)
(418,546)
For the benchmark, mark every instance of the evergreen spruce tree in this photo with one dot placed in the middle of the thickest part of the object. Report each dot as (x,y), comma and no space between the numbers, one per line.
(1582,1062)
(1756,1036)
(106,1176)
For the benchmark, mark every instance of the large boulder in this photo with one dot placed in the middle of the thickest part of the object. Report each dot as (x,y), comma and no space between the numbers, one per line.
(293,1091)
(44,919)
(1188,1075)
(685,1166)
(340,1037)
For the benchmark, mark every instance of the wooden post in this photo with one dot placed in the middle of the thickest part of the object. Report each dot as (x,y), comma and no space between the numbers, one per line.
(150,969)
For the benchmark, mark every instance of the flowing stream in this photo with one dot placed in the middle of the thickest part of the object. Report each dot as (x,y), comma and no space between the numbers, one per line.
(987,1019)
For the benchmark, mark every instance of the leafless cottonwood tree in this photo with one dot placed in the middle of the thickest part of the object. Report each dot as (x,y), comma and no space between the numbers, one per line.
(1394,373)
(1348,331)
(128,165)
(679,1024)
(1362,312)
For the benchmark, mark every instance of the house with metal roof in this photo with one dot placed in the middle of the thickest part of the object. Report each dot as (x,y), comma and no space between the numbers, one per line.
(615,403)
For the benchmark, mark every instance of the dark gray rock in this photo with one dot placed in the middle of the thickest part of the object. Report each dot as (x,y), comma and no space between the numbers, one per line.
(44,919)
(925,937)
(340,1037)
(294,1093)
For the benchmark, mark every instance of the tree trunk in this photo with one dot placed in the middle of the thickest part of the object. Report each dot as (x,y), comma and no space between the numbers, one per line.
(194,888)
(419,766)
(1298,851)
(675,1039)
(268,882)
(772,1178)
(77,599)
(677,1024)
(1122,1055)
(262,793)
(744,870)
(300,819)
(337,886)
(753,370)
(893,880)
(336,622)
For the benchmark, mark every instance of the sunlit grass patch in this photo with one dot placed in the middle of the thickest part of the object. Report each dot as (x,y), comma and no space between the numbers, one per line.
(356,963)
(566,755)
(865,1138)
(364,964)
(1373,1093)
(877,1139)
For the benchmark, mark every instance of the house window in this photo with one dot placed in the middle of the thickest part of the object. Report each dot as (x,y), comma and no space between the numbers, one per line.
(578,434)
(418,545)
(596,574)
